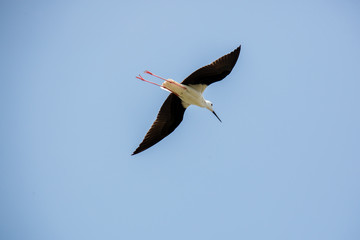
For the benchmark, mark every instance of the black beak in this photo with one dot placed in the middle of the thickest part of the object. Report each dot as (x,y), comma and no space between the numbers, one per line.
(216,116)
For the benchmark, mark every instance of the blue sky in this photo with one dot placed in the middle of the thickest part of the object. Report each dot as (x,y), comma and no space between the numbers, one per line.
(283,164)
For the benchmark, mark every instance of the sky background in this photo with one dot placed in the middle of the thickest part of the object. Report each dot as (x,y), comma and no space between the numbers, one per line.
(283,164)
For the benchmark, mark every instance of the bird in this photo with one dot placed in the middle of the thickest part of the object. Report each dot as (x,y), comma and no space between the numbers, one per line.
(182,95)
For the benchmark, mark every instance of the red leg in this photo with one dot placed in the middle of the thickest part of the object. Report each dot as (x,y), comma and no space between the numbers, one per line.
(142,79)
(180,85)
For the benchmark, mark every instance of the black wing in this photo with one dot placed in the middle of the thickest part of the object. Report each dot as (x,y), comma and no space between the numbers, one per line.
(169,117)
(215,71)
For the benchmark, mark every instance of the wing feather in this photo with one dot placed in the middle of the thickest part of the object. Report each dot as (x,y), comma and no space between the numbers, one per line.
(169,117)
(215,71)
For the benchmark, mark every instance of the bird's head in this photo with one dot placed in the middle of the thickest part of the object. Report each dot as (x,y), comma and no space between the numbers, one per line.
(209,105)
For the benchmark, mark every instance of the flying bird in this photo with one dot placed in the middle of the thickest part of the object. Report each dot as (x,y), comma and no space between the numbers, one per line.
(188,92)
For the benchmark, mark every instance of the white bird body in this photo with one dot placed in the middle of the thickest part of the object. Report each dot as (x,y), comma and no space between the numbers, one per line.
(188,94)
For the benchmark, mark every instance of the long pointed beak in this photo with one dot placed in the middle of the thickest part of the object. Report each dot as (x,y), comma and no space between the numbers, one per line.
(216,116)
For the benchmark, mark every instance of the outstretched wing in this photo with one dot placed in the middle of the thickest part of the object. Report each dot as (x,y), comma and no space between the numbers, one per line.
(169,117)
(215,71)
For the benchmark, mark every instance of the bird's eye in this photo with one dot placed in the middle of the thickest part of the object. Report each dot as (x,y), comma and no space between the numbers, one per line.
(211,104)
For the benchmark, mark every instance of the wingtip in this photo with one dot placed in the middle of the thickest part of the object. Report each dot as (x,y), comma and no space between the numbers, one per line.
(138,150)
(237,50)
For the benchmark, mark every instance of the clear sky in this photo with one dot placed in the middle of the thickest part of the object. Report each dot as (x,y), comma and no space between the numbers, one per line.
(283,164)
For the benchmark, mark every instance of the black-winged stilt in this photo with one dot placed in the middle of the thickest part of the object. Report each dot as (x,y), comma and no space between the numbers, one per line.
(183,95)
